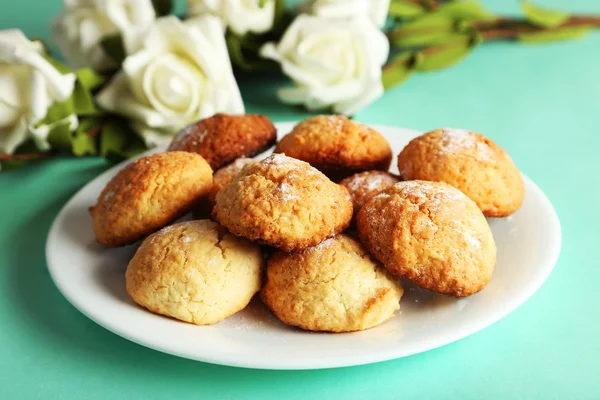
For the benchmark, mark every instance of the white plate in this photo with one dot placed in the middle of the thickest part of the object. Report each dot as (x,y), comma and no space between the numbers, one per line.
(91,277)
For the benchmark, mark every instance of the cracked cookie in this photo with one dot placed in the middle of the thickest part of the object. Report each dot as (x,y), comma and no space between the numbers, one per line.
(470,162)
(196,272)
(364,185)
(222,177)
(223,138)
(431,234)
(335,286)
(337,146)
(148,194)
(283,202)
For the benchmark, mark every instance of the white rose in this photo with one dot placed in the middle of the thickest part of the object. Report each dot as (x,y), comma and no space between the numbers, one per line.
(241,16)
(333,63)
(180,74)
(79,30)
(29,85)
(377,10)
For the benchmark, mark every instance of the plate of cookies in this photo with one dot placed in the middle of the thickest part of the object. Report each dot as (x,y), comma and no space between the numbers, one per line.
(303,245)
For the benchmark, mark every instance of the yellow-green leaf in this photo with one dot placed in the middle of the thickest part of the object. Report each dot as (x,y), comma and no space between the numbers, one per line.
(466,9)
(399,69)
(446,54)
(571,32)
(423,31)
(405,9)
(543,17)
(84,140)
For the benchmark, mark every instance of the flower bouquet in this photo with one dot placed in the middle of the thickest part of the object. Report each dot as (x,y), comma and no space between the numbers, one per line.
(134,73)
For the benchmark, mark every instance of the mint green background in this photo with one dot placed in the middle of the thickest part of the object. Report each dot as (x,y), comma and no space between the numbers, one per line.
(542,103)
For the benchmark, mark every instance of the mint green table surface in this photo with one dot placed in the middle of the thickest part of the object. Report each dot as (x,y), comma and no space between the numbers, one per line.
(542,103)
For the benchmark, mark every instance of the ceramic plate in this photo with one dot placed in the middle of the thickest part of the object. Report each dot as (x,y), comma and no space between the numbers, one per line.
(92,278)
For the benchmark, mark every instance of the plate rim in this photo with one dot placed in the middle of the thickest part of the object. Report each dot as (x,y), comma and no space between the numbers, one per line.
(550,260)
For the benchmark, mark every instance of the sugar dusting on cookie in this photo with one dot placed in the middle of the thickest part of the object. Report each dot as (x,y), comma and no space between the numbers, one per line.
(458,140)
(286,192)
(370,181)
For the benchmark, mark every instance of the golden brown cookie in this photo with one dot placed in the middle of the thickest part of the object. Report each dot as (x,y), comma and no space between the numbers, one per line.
(470,162)
(432,234)
(148,194)
(283,202)
(337,146)
(223,138)
(364,185)
(335,286)
(222,177)
(196,272)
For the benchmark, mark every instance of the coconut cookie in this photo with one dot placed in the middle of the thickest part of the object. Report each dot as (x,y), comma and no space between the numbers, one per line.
(283,202)
(196,272)
(470,162)
(148,194)
(337,146)
(364,185)
(223,138)
(432,234)
(334,286)
(221,178)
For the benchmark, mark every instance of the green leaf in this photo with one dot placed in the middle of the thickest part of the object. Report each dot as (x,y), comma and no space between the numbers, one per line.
(243,52)
(84,139)
(262,3)
(60,136)
(113,139)
(405,9)
(399,69)
(28,147)
(83,100)
(162,7)
(89,78)
(466,9)
(114,48)
(426,30)
(57,112)
(572,32)
(445,55)
(543,17)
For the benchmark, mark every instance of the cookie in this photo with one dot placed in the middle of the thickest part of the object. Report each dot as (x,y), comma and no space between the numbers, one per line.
(470,162)
(431,234)
(364,185)
(223,138)
(148,194)
(283,202)
(196,272)
(337,146)
(222,177)
(335,286)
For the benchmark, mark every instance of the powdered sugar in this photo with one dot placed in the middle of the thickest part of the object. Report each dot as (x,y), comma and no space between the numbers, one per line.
(186,239)
(285,191)
(108,195)
(370,181)
(458,140)
(185,134)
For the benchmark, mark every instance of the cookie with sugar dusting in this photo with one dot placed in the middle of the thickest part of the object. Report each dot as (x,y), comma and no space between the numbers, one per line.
(222,177)
(148,194)
(364,185)
(431,234)
(337,146)
(196,272)
(283,202)
(470,162)
(223,138)
(335,286)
